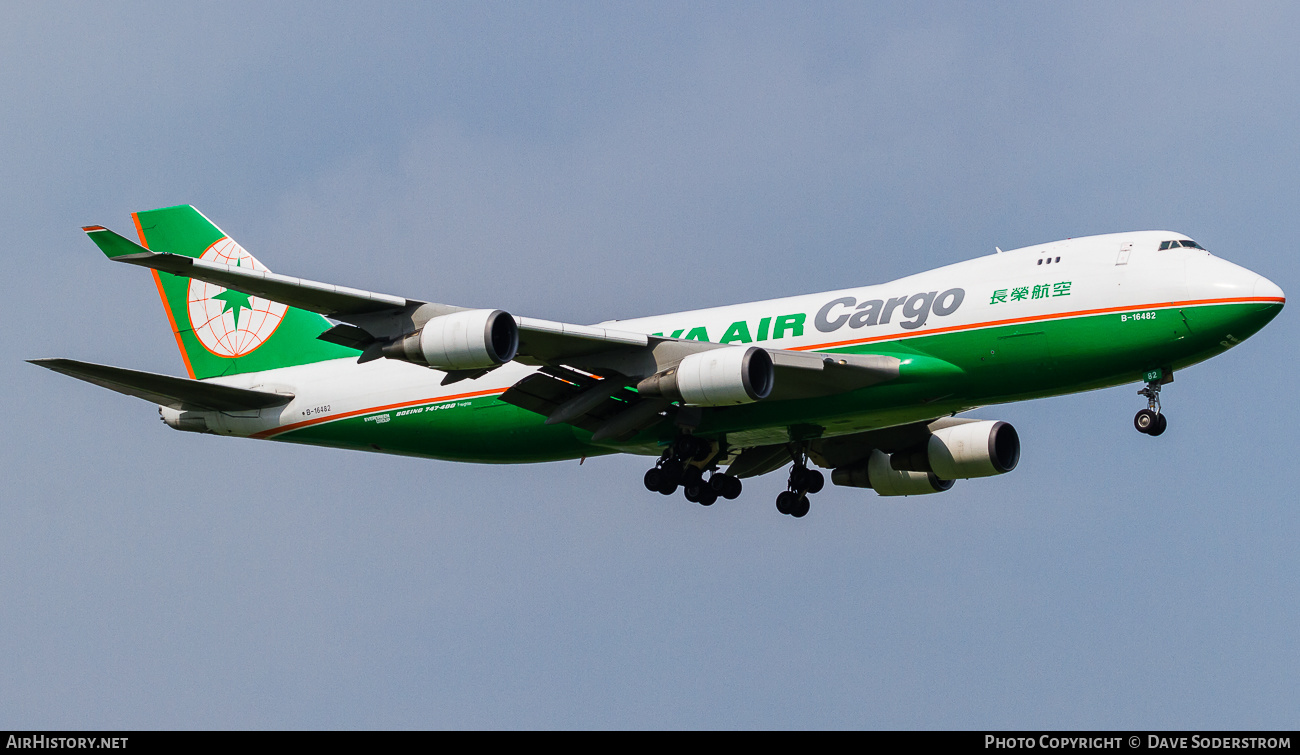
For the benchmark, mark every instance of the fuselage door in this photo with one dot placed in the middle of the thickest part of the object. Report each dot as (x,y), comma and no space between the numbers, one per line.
(1123,254)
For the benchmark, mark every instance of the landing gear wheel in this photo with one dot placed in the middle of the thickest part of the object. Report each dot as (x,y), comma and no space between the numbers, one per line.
(808,480)
(683,464)
(1145,421)
(726,486)
(802,482)
(1151,421)
(707,496)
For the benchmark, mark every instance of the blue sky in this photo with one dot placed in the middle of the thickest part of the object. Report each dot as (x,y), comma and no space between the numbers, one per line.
(589,161)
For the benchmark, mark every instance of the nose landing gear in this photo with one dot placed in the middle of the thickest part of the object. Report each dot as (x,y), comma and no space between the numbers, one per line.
(1150,421)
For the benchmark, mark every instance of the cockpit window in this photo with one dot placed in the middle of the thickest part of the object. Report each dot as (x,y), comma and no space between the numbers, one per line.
(1188,243)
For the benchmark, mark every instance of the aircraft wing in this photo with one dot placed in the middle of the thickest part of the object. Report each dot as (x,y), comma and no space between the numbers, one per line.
(374,322)
(583,400)
(809,374)
(165,390)
(370,316)
(327,299)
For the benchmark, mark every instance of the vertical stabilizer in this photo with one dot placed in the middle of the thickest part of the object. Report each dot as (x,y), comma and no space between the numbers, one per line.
(220,331)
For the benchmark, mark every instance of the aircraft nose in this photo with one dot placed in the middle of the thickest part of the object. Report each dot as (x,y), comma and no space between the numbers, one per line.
(1214,278)
(1240,301)
(1267,289)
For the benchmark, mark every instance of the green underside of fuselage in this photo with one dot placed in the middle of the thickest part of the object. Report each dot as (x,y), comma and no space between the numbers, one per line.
(948,372)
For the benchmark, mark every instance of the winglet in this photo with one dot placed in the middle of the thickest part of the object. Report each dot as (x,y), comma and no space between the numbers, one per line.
(114,245)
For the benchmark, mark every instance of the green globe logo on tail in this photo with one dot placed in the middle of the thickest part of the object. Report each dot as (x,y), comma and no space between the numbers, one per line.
(229,323)
(220,331)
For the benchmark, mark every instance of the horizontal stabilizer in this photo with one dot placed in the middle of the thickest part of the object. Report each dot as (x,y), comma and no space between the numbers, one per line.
(165,390)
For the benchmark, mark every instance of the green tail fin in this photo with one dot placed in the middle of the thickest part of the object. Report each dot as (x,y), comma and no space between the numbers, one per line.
(220,331)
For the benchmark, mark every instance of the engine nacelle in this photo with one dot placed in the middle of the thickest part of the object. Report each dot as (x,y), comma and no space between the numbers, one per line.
(974,449)
(962,451)
(718,377)
(470,340)
(878,474)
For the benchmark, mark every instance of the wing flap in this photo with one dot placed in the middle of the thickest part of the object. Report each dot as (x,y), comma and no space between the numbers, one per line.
(165,390)
(759,460)
(551,390)
(541,394)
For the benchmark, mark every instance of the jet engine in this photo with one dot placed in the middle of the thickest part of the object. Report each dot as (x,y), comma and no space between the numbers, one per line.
(955,450)
(718,377)
(964,450)
(469,340)
(878,474)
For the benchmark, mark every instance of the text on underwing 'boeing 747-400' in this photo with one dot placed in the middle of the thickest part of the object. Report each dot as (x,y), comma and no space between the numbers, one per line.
(866,382)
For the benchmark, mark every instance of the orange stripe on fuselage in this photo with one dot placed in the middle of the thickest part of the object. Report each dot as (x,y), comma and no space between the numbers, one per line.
(1037,318)
(171,318)
(372,410)
(892,337)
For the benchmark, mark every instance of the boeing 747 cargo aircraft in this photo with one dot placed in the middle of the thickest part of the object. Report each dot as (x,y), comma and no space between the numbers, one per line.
(867,382)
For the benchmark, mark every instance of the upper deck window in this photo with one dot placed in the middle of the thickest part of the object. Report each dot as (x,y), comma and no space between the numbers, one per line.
(1186,243)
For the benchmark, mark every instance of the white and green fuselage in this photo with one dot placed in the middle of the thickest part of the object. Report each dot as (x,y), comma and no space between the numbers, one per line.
(1040,321)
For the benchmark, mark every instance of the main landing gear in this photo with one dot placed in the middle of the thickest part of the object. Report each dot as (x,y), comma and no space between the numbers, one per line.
(803,483)
(690,463)
(1150,421)
(684,464)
